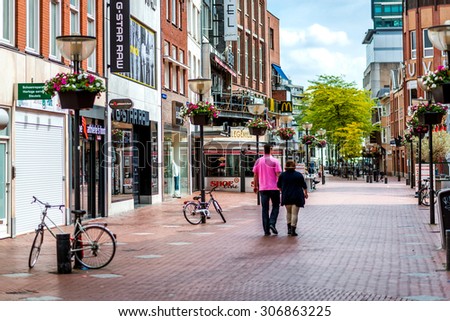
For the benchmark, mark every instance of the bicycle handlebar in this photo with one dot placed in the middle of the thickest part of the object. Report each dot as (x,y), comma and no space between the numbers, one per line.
(47,205)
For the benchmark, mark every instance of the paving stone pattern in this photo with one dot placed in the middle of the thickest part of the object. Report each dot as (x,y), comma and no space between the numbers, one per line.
(357,241)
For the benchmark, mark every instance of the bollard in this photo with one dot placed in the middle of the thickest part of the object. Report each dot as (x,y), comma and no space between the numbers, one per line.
(63,253)
(367,179)
(385,180)
(399,178)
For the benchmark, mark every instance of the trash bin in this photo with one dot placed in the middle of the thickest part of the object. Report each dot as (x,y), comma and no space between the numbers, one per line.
(444,213)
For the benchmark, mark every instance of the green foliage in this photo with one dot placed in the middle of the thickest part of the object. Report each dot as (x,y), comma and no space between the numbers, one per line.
(340,108)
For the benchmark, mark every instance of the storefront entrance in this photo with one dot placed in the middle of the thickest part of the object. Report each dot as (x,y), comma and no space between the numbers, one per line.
(3,191)
(92,174)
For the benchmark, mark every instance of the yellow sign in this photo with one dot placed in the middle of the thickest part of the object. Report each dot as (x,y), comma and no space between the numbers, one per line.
(286,106)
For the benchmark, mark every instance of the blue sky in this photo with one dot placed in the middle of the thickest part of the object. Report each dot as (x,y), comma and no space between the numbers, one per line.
(322,37)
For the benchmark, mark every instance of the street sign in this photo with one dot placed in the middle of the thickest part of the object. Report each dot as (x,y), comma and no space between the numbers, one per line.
(123,103)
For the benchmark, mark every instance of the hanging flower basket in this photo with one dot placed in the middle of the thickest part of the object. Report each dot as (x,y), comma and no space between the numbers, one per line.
(321,143)
(200,119)
(285,133)
(77,99)
(75,91)
(309,139)
(258,131)
(441,93)
(430,118)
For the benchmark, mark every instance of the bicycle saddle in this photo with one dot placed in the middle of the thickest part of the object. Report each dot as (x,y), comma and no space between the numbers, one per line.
(79,212)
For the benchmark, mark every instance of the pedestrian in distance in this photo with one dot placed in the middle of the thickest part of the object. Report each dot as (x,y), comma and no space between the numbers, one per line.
(266,171)
(294,192)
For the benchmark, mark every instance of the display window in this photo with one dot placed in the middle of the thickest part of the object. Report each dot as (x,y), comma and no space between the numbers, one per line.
(122,160)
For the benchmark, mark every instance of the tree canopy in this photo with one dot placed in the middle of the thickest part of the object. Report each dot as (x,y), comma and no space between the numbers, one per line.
(340,108)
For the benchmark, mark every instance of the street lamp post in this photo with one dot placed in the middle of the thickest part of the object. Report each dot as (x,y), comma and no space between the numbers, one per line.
(201,86)
(256,109)
(321,133)
(307,127)
(286,119)
(440,39)
(76,48)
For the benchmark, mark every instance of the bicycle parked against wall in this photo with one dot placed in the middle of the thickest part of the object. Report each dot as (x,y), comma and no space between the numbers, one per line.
(425,192)
(93,245)
(197,212)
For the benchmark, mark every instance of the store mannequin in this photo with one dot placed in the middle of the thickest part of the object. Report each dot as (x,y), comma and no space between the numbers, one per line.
(176,179)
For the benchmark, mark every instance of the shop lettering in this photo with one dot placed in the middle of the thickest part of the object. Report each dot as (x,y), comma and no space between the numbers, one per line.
(224,184)
(94,129)
(132,116)
(120,41)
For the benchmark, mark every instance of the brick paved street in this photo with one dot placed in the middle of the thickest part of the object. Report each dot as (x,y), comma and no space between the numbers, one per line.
(357,241)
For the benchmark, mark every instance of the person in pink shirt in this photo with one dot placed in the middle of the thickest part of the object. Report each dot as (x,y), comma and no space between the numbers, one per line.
(266,171)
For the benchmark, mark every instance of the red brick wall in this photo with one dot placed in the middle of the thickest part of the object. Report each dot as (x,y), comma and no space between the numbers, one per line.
(44,12)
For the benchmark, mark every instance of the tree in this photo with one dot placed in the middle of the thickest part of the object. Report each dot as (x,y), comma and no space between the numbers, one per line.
(340,108)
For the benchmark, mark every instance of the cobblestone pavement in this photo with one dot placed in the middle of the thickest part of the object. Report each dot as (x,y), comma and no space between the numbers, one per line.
(357,241)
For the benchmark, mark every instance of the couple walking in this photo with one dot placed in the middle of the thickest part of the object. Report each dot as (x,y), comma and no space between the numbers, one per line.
(269,181)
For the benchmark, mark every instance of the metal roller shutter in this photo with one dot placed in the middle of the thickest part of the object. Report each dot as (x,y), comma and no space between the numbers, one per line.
(39,162)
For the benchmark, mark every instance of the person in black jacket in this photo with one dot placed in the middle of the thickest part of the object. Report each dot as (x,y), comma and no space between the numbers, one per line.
(294,191)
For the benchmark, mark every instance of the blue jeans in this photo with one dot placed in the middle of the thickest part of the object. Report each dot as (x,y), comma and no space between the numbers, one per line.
(266,198)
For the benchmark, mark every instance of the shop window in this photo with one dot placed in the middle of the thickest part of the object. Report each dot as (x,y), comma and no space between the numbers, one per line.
(122,155)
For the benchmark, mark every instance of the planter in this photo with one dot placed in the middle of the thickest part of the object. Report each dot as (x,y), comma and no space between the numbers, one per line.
(430,118)
(199,119)
(258,131)
(77,99)
(285,137)
(441,94)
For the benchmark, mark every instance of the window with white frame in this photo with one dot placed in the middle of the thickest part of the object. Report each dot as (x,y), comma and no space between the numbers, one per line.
(91,32)
(260,9)
(238,55)
(190,16)
(181,56)
(174,78)
(427,45)
(74,17)
(7,25)
(412,38)
(55,27)
(33,25)
(182,80)
(261,53)
(246,57)
(167,9)
(174,11)
(166,48)
(253,61)
(174,52)
(166,76)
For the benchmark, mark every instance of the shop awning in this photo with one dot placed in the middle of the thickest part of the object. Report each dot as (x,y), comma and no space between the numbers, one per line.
(280,71)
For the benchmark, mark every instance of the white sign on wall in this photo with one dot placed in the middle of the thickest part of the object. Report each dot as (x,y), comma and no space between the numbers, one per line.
(230,20)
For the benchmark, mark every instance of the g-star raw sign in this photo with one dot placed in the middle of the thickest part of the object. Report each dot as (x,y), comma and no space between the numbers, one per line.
(120,35)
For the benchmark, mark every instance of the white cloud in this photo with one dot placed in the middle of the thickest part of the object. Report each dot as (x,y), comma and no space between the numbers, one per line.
(315,34)
(303,65)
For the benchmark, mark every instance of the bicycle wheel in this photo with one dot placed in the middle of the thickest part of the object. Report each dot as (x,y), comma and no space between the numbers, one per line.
(191,214)
(94,246)
(219,210)
(36,248)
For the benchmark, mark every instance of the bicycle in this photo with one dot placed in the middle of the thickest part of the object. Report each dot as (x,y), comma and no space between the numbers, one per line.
(425,192)
(93,245)
(197,212)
